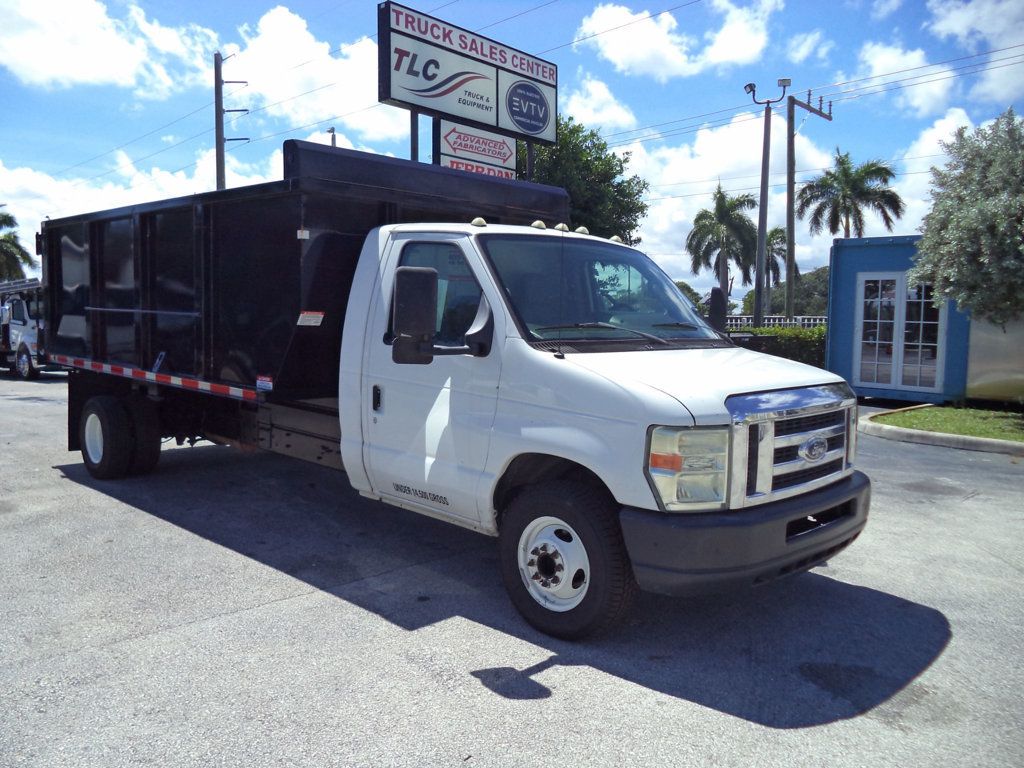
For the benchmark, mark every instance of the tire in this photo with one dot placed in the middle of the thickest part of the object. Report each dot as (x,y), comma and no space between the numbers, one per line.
(146,435)
(23,364)
(563,560)
(105,434)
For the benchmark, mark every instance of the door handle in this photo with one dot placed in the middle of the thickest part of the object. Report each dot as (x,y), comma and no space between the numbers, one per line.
(376,397)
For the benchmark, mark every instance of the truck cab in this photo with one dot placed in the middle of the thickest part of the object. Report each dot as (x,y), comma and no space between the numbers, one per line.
(21,324)
(556,390)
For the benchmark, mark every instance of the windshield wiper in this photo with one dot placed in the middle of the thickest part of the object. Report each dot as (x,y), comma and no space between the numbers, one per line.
(572,326)
(689,326)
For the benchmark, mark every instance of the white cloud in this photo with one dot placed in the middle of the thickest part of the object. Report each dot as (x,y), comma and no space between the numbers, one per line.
(683,178)
(63,43)
(921,97)
(652,46)
(913,184)
(801,47)
(594,105)
(981,25)
(881,9)
(33,195)
(322,87)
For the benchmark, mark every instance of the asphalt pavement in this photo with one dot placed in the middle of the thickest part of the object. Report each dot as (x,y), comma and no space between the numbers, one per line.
(239,609)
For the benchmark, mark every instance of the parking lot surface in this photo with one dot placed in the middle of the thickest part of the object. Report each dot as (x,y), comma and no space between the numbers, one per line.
(238,609)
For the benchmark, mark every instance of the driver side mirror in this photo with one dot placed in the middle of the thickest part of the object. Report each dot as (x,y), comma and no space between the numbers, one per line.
(414,313)
(414,321)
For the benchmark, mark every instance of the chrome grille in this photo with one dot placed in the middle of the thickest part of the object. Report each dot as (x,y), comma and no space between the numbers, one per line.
(790,441)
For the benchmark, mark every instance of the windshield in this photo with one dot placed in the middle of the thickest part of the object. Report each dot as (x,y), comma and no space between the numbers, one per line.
(564,288)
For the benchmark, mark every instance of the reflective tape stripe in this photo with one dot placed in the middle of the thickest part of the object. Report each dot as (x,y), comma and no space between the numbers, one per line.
(181,382)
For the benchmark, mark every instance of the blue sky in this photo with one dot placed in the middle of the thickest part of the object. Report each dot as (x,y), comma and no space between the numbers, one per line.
(111,103)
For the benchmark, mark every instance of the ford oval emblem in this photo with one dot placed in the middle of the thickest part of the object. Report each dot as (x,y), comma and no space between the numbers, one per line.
(813,449)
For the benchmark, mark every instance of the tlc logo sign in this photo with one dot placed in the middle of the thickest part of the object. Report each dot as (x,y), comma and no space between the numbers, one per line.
(429,68)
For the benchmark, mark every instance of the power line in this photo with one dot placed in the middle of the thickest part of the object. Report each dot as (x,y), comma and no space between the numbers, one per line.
(826,95)
(848,96)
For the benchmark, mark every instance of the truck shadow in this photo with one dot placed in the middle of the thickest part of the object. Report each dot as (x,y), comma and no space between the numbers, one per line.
(805,652)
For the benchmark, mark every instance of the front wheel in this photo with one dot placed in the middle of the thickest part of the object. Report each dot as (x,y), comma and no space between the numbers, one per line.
(23,364)
(563,559)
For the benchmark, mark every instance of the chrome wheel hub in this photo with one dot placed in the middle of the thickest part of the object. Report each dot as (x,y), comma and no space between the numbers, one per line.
(554,564)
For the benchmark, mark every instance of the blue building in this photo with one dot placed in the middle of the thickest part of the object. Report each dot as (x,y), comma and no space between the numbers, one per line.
(887,339)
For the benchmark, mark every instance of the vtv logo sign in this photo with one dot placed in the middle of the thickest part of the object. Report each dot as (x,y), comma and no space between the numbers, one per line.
(527,107)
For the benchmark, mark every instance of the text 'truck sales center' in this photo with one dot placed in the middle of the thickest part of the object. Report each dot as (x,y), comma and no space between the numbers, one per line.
(432,67)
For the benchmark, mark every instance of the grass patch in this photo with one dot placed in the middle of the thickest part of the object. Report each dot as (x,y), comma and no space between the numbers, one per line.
(973,422)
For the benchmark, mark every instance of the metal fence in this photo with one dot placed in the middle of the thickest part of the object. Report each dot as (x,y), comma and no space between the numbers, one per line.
(735,322)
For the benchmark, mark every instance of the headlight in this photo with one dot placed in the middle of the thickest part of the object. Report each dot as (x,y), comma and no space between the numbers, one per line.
(689,468)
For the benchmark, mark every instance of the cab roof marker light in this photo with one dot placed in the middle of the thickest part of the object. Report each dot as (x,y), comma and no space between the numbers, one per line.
(479,221)
(538,224)
(615,239)
(561,227)
(581,231)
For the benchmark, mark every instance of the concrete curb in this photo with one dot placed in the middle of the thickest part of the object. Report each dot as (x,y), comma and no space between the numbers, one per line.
(987,444)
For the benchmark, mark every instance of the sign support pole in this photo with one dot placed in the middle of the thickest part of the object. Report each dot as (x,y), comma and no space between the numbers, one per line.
(414,135)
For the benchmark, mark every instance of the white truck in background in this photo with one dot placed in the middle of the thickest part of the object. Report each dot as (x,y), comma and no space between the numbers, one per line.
(546,387)
(21,327)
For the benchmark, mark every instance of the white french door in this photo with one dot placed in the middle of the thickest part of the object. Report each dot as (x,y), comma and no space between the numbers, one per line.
(899,335)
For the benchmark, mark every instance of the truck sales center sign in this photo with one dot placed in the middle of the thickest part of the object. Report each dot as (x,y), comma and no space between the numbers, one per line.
(433,67)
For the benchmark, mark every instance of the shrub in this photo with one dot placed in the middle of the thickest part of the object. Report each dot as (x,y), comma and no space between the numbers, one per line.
(805,345)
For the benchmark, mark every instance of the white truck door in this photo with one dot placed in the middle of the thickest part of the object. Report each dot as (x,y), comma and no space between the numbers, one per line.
(428,426)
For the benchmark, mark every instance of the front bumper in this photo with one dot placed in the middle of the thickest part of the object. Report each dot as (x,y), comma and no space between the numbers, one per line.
(683,554)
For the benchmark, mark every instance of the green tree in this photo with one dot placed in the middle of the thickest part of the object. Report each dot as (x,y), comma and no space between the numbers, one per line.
(13,256)
(688,291)
(775,263)
(601,197)
(810,297)
(837,198)
(723,234)
(972,244)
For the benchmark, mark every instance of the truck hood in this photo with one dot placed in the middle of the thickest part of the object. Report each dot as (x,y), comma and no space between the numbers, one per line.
(702,379)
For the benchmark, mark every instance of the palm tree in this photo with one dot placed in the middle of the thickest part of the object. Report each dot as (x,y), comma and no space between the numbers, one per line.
(841,194)
(13,257)
(775,262)
(723,234)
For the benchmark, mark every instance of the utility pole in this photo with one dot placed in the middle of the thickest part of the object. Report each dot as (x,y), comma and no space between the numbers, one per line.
(791,103)
(218,119)
(762,213)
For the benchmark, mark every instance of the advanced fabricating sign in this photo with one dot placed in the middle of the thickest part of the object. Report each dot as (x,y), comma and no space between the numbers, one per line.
(430,66)
(471,149)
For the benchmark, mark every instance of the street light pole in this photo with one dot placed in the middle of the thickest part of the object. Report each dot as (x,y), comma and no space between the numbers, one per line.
(762,213)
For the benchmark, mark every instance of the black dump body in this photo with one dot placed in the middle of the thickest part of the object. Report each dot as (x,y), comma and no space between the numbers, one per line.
(212,286)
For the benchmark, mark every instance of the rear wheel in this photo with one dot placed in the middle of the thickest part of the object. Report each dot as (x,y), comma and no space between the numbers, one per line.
(105,434)
(563,559)
(23,364)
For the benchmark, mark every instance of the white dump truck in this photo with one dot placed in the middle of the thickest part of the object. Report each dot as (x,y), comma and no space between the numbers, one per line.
(406,324)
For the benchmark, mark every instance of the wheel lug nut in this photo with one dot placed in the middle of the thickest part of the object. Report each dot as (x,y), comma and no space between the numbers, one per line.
(534,551)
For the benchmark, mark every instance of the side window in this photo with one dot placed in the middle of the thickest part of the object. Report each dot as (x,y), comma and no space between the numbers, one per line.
(458,293)
(18,311)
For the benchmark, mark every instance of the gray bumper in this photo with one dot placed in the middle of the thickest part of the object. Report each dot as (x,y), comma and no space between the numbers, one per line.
(679,554)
